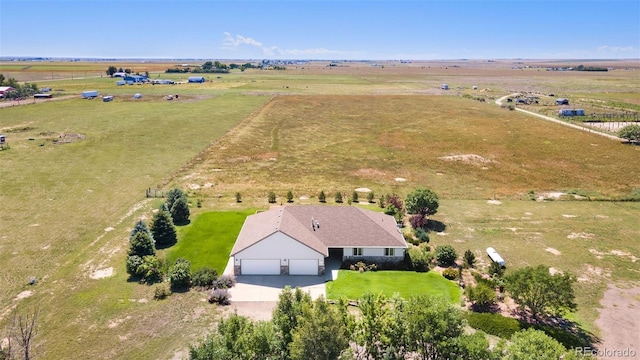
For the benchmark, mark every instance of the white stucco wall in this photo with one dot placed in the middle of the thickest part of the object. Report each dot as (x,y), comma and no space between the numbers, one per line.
(279,246)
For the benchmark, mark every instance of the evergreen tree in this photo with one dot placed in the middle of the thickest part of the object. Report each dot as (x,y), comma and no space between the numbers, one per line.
(163,230)
(142,245)
(140,226)
(180,211)
(339,197)
(289,196)
(322,197)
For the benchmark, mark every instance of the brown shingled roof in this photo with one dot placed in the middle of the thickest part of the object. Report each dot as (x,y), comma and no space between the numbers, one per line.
(337,226)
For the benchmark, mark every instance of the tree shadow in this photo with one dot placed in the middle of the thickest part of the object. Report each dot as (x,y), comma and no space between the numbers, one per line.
(163,246)
(569,333)
(435,225)
(492,308)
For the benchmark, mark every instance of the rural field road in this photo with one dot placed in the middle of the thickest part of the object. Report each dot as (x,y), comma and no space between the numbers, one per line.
(8,103)
(548,118)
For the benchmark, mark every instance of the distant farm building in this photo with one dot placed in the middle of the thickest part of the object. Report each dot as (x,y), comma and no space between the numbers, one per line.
(571,112)
(42,96)
(135,78)
(562,101)
(5,89)
(163,81)
(196,79)
(89,94)
(444,87)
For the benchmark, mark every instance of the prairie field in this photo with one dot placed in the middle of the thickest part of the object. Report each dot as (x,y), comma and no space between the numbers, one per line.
(74,178)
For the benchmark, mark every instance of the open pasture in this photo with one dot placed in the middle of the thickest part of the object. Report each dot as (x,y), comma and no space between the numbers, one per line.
(460,148)
(67,208)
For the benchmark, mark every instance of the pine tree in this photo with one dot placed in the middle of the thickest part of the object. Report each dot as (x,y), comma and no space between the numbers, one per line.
(180,211)
(163,230)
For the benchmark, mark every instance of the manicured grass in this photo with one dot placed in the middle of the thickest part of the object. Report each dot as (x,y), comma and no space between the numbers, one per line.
(208,240)
(353,284)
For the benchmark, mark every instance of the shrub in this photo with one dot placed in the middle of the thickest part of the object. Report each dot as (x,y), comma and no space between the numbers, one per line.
(162,291)
(220,296)
(481,295)
(421,235)
(450,273)
(271,197)
(354,196)
(180,273)
(150,269)
(133,262)
(445,255)
(419,259)
(339,197)
(370,197)
(289,196)
(418,221)
(493,324)
(204,277)
(224,282)
(322,197)
(238,197)
(496,269)
(469,258)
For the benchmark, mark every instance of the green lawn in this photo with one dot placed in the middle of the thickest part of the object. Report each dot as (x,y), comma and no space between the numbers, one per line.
(353,284)
(208,240)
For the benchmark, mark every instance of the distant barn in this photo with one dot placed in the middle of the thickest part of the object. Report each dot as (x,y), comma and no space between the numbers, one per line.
(196,79)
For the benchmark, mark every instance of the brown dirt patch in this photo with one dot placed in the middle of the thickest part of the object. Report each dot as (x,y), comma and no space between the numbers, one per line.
(619,319)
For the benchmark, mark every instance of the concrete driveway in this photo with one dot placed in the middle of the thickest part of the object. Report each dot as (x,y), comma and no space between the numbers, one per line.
(259,288)
(269,287)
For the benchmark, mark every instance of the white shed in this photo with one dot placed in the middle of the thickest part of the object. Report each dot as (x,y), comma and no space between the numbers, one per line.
(495,257)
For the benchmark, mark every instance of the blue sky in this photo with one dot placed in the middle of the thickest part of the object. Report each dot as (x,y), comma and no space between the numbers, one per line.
(297,29)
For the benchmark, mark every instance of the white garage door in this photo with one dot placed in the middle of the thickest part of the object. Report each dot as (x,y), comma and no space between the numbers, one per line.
(303,267)
(260,267)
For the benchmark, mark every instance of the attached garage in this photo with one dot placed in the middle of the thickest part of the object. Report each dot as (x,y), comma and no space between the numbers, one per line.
(303,267)
(260,267)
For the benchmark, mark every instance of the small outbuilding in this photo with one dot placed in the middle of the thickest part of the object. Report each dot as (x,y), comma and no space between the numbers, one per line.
(444,86)
(562,101)
(196,79)
(495,257)
(89,94)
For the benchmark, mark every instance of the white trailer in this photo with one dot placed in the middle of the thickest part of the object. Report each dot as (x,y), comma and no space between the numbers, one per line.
(495,257)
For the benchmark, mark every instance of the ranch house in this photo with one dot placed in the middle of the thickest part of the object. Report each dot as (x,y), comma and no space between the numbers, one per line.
(296,240)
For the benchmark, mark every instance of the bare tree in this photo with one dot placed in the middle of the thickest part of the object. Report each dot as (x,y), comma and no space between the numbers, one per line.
(19,337)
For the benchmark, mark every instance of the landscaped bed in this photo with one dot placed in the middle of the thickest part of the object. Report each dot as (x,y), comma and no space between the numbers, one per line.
(353,284)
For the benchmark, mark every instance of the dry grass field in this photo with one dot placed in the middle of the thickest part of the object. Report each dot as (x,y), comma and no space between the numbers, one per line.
(461,148)
(67,209)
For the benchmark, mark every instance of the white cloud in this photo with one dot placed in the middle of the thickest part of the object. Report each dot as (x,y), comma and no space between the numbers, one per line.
(231,42)
(617,49)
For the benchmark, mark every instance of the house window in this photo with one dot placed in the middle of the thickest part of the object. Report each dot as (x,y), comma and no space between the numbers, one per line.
(357,251)
(389,252)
